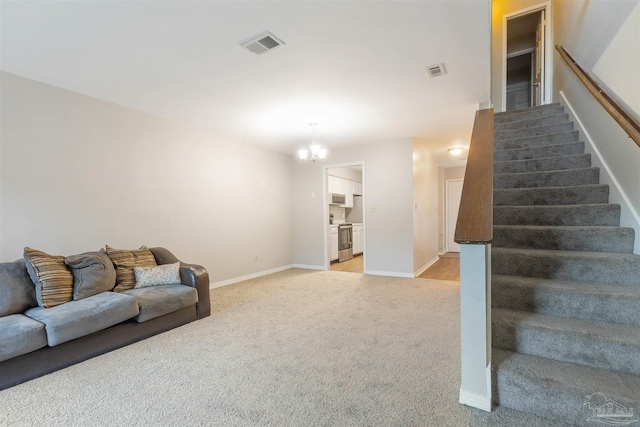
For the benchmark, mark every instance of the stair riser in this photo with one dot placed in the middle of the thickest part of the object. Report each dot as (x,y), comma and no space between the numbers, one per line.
(536,141)
(547,399)
(529,113)
(537,131)
(580,215)
(555,302)
(569,149)
(551,196)
(565,178)
(531,122)
(615,271)
(578,239)
(582,161)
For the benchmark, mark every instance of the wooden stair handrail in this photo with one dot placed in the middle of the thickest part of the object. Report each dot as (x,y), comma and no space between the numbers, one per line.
(619,114)
(475,216)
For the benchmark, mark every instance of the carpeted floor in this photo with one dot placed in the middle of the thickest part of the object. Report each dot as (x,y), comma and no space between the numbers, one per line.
(296,348)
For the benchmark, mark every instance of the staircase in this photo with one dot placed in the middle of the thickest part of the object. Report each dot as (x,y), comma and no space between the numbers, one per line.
(565,283)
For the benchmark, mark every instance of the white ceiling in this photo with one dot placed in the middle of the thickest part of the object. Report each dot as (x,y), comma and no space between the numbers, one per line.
(356,68)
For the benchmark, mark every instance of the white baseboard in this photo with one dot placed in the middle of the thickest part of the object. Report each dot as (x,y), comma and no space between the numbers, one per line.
(389,274)
(475,400)
(248,276)
(309,266)
(614,189)
(427,265)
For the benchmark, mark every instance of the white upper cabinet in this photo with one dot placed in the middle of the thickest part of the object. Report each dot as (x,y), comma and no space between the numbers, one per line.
(344,186)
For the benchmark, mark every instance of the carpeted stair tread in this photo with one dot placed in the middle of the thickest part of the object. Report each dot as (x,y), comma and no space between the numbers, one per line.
(544,151)
(532,122)
(578,161)
(559,178)
(536,141)
(534,131)
(598,302)
(590,343)
(591,267)
(530,111)
(575,195)
(603,214)
(570,238)
(558,390)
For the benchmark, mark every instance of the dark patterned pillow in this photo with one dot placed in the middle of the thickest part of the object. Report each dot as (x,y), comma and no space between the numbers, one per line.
(53,280)
(124,260)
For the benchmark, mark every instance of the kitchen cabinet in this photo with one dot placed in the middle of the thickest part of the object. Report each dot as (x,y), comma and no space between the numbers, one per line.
(333,183)
(358,239)
(333,243)
(344,186)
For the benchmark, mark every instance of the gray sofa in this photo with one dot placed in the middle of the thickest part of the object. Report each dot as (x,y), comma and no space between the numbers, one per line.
(36,341)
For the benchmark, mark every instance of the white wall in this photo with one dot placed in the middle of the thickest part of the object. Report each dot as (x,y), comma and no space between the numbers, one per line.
(425,208)
(592,32)
(78,173)
(388,188)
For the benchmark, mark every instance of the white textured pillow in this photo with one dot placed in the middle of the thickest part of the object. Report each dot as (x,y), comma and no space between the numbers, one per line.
(166,274)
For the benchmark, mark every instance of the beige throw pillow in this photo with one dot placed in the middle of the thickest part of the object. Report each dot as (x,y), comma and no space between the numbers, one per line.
(124,260)
(167,274)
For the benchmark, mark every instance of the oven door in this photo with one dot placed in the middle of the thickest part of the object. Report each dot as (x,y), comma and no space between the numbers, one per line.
(345,237)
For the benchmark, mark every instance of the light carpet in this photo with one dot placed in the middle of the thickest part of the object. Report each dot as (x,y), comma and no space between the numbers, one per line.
(295,348)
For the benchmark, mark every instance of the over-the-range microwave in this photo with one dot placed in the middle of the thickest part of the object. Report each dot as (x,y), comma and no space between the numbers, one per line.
(337,199)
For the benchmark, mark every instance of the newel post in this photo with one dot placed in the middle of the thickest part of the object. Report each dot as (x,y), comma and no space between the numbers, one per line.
(474,233)
(475,325)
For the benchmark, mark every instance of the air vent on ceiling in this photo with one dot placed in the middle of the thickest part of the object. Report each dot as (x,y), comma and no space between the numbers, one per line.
(436,70)
(263,42)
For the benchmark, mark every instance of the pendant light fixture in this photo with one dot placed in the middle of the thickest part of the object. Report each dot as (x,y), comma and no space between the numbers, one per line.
(318,154)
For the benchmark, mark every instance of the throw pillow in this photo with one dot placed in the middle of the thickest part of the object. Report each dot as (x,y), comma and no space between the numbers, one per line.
(166,274)
(93,273)
(17,292)
(53,280)
(124,260)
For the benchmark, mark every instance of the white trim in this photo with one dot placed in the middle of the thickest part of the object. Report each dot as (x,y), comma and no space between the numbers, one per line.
(475,400)
(606,168)
(309,266)
(213,285)
(389,274)
(424,267)
(548,48)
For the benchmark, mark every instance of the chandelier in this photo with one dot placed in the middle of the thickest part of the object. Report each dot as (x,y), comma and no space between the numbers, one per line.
(318,154)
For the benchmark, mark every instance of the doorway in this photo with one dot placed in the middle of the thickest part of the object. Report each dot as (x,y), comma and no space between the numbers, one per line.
(527,58)
(345,216)
(453,194)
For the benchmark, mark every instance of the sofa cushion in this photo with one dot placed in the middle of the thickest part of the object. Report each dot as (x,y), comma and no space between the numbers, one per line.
(52,277)
(79,318)
(156,301)
(93,273)
(17,291)
(20,335)
(124,260)
(167,274)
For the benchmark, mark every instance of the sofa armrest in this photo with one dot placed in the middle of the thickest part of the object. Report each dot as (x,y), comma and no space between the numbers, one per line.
(192,275)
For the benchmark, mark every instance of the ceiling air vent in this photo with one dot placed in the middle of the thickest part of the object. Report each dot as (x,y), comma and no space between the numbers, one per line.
(263,42)
(436,70)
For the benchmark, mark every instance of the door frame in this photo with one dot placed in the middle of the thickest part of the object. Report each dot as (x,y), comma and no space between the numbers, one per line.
(548,50)
(325,198)
(446,211)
